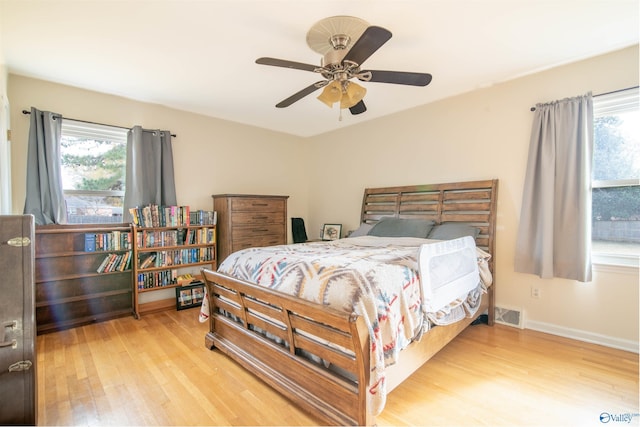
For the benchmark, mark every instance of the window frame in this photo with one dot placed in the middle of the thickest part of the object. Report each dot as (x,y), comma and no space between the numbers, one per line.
(623,100)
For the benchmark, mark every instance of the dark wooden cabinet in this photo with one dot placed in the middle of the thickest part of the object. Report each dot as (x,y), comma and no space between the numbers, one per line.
(69,289)
(247,220)
(18,389)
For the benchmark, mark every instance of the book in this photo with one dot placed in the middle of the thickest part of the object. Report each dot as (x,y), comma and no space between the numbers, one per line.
(112,263)
(155,216)
(147,262)
(103,264)
(146,216)
(89,242)
(123,262)
(135,218)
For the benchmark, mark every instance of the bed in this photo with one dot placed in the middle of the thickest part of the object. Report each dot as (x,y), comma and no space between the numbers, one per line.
(330,358)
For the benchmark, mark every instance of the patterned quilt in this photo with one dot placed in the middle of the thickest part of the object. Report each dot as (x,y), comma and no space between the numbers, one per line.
(375,277)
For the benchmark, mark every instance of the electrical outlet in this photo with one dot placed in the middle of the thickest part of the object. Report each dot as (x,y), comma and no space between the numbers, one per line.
(535,292)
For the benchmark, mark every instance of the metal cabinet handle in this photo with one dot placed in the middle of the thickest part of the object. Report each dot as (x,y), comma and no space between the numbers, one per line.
(13,324)
(19,242)
(23,365)
(12,343)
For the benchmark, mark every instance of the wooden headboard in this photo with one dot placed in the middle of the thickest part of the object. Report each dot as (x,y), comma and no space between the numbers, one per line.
(472,202)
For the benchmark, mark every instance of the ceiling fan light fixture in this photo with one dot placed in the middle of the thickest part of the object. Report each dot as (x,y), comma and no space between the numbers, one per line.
(331,93)
(352,94)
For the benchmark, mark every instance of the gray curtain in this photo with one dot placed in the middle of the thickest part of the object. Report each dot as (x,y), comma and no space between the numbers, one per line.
(45,199)
(554,235)
(149,175)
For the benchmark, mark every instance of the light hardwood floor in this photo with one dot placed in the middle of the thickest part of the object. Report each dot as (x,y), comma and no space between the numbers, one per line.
(157,371)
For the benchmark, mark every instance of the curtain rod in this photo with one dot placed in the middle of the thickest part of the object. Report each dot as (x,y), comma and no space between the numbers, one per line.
(605,93)
(91,123)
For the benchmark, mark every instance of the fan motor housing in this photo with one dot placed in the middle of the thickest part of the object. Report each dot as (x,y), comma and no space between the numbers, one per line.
(333,57)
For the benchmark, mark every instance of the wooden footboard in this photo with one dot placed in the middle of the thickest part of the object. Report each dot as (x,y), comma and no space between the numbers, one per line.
(243,313)
(297,329)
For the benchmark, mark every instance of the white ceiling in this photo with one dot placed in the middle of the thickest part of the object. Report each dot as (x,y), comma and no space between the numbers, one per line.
(198,56)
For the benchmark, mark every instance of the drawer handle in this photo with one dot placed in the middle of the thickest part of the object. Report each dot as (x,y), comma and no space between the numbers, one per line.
(260,217)
(259,204)
(260,231)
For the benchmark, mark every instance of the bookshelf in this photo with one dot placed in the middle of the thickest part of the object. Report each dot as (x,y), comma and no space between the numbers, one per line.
(70,289)
(167,241)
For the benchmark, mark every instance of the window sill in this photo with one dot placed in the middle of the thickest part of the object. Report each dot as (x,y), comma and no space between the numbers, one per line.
(615,262)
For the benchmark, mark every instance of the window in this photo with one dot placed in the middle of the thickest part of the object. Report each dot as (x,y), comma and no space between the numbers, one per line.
(616,178)
(93,159)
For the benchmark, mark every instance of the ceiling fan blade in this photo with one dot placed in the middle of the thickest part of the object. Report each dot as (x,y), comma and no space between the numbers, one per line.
(399,77)
(370,41)
(359,108)
(301,94)
(286,64)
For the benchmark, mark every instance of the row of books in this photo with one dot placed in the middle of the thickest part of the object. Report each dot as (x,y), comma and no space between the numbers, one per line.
(179,237)
(177,257)
(157,279)
(170,216)
(202,217)
(110,241)
(115,262)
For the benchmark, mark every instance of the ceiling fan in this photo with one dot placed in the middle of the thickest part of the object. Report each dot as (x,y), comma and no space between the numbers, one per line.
(345,43)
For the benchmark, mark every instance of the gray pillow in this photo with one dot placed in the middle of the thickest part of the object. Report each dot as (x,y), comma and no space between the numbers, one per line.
(363,230)
(453,230)
(398,227)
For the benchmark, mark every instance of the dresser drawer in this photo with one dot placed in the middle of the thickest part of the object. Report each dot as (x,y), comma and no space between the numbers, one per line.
(257,204)
(253,231)
(257,218)
(257,241)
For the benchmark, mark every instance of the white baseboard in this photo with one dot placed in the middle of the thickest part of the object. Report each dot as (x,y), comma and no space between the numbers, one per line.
(585,336)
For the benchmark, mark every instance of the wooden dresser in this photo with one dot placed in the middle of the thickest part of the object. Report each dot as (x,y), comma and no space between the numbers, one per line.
(246,220)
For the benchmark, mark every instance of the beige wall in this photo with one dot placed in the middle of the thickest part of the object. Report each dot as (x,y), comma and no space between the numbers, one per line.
(479,135)
(5,146)
(210,155)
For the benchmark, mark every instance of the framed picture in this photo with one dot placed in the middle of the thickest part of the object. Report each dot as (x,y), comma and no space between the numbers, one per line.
(197,294)
(189,296)
(331,231)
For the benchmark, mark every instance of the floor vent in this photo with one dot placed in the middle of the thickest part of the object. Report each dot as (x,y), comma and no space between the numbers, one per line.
(510,317)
